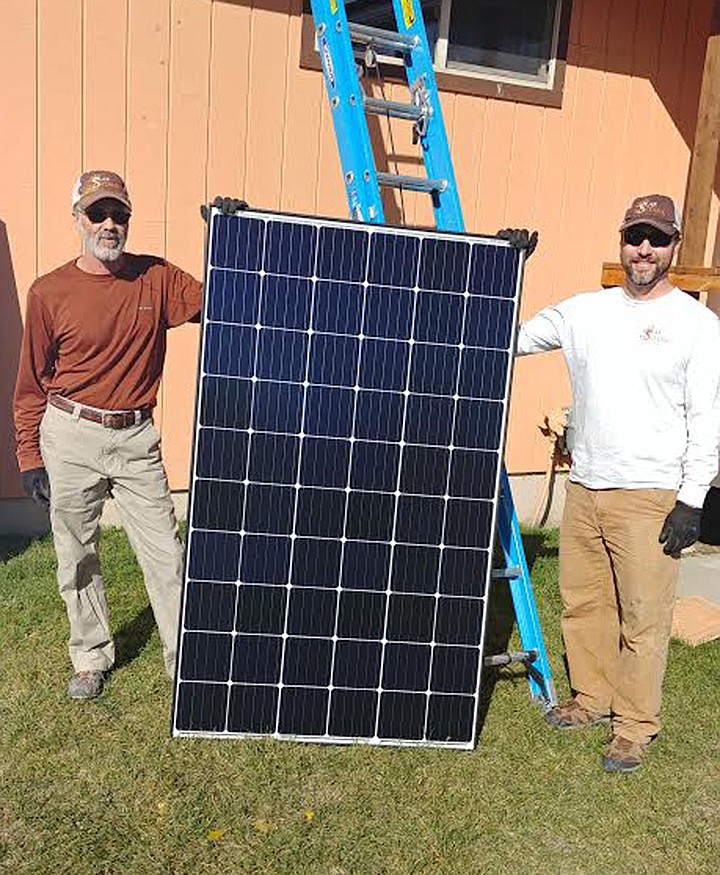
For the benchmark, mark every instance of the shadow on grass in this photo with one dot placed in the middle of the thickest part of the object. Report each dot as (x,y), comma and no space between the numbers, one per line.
(537,547)
(501,622)
(13,545)
(132,637)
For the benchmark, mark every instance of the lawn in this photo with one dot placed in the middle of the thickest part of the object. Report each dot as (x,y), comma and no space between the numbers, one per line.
(100,787)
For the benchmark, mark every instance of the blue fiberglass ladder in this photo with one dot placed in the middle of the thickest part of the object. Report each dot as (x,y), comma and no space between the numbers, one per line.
(337,41)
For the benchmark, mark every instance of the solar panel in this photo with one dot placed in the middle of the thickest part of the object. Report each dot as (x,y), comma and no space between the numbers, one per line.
(350,418)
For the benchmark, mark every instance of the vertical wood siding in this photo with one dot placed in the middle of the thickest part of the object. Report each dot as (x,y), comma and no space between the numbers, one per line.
(192,98)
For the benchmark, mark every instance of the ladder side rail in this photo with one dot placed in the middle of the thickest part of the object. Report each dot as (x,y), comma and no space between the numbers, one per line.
(434,143)
(347,110)
(526,614)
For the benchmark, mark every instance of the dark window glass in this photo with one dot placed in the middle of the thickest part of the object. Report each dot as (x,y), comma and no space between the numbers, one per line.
(513,36)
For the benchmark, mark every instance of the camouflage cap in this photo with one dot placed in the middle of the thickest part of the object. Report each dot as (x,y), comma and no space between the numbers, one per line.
(94,185)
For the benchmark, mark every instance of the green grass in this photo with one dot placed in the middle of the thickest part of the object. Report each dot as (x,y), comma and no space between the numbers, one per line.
(100,787)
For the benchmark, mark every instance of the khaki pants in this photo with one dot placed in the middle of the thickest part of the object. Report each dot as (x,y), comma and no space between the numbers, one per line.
(83,459)
(618,591)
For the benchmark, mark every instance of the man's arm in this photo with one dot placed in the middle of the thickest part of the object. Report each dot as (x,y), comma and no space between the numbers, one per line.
(185,292)
(543,333)
(702,412)
(702,415)
(37,360)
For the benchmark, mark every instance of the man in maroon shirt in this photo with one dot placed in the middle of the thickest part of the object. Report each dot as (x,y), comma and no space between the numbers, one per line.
(91,362)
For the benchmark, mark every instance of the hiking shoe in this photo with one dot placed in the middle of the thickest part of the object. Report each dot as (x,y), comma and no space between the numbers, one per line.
(572,715)
(86,685)
(623,755)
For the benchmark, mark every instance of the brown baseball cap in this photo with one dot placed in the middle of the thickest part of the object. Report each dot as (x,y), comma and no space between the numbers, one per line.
(94,185)
(657,210)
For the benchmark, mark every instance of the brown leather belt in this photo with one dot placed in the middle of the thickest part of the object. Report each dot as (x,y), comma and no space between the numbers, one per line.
(106,418)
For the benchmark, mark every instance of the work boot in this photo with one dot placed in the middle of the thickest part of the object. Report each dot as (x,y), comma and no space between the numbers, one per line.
(572,715)
(623,755)
(86,685)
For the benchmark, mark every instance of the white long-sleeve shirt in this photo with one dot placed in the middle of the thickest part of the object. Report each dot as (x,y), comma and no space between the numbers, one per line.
(645,379)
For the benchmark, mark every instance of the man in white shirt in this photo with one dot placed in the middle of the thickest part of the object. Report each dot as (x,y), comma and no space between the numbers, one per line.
(644,364)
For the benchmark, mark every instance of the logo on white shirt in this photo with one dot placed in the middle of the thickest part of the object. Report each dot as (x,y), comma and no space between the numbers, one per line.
(652,334)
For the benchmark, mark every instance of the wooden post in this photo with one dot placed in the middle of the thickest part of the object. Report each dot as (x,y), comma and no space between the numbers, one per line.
(703,161)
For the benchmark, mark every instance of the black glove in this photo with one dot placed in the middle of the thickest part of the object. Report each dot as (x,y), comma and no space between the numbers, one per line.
(710,519)
(520,238)
(36,484)
(681,528)
(228,206)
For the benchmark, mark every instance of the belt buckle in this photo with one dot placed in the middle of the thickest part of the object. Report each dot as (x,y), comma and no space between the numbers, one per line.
(109,420)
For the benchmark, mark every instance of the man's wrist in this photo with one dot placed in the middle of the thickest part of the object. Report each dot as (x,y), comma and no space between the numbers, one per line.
(691,495)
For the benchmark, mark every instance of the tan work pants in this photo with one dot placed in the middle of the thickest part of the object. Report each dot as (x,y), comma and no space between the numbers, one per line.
(83,459)
(618,591)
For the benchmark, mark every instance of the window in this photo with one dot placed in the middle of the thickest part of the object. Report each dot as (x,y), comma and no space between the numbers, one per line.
(501,48)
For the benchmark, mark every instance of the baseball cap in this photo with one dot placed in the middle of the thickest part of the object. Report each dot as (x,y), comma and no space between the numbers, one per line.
(94,185)
(657,210)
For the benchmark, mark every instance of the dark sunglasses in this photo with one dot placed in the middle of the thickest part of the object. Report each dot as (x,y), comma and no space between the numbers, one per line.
(99,212)
(636,234)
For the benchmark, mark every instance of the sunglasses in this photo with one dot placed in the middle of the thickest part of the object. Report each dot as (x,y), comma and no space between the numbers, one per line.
(635,235)
(99,212)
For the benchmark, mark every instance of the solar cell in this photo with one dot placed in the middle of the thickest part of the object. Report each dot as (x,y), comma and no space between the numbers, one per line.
(351,411)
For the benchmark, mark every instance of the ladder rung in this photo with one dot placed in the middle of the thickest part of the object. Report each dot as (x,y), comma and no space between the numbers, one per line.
(507,573)
(526,656)
(382,39)
(411,183)
(393,108)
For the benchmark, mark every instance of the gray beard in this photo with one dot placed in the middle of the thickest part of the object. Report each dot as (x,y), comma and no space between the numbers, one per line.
(102,253)
(106,254)
(645,279)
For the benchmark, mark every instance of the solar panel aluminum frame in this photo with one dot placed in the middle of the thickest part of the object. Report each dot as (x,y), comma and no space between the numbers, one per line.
(207,689)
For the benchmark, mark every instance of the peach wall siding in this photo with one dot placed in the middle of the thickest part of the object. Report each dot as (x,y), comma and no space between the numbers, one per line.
(191,98)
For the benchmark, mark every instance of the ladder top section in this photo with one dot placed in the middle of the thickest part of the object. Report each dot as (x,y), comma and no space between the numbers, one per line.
(387,40)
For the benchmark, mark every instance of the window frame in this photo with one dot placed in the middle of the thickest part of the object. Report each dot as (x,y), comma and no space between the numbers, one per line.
(479,82)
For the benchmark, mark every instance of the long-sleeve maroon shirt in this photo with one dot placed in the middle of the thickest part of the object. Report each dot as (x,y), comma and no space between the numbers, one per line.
(98,339)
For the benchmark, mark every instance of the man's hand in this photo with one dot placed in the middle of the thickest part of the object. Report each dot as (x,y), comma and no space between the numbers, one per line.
(36,484)
(681,528)
(228,206)
(520,238)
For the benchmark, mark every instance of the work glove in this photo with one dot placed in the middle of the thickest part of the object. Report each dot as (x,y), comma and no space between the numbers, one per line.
(36,484)
(680,529)
(520,238)
(228,206)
